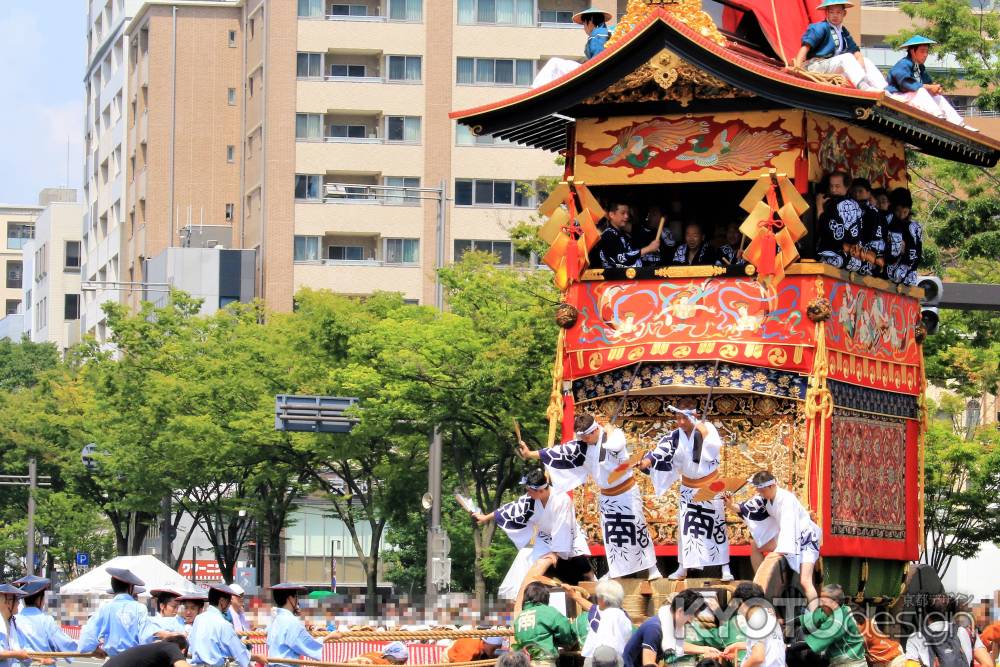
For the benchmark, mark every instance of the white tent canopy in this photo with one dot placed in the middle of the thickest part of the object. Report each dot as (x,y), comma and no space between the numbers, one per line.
(154,574)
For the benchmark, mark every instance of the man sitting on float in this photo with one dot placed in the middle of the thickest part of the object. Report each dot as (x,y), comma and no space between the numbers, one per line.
(910,82)
(828,48)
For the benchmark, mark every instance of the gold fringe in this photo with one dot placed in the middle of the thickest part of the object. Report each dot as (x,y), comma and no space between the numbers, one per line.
(819,77)
(555,409)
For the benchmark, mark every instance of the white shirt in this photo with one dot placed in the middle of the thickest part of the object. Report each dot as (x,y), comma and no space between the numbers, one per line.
(916,646)
(614,630)
(774,642)
(557,526)
(793,518)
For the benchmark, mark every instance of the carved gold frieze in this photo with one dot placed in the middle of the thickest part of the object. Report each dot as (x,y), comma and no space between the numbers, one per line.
(688,12)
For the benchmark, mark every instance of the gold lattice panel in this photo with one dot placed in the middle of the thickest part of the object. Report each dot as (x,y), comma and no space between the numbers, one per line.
(760,432)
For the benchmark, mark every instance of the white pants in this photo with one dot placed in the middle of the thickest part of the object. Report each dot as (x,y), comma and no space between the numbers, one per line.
(863,78)
(936,105)
(552,70)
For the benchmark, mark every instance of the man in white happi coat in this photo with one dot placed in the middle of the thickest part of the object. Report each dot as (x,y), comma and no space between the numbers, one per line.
(550,517)
(796,537)
(597,452)
(692,453)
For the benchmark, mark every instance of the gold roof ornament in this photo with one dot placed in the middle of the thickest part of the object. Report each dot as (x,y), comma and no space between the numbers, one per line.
(688,12)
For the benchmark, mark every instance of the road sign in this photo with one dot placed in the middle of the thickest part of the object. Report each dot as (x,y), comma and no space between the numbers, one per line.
(83,559)
(313,414)
(87,455)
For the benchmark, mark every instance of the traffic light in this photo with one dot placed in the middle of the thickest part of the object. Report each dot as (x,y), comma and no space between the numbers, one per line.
(933,289)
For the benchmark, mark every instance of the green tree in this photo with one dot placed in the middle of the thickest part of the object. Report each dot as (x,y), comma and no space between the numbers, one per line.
(962,481)
(21,363)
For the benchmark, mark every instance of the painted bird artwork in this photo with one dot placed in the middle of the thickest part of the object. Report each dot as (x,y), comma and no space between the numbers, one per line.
(745,151)
(639,144)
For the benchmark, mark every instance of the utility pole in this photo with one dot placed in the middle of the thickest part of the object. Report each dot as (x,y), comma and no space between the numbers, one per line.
(32,485)
(166,530)
(434,527)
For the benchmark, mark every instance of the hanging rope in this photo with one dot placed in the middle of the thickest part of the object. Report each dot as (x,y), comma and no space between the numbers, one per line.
(555,410)
(819,400)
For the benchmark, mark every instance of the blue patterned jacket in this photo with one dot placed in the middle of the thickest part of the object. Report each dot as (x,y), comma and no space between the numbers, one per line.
(819,38)
(907,76)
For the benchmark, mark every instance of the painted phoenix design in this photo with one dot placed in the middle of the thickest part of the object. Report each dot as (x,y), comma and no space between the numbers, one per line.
(639,144)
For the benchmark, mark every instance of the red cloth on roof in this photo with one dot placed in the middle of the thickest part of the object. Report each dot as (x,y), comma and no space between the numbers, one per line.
(782,21)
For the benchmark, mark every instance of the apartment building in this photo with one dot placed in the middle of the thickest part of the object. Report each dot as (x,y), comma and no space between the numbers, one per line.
(104,157)
(52,261)
(18,222)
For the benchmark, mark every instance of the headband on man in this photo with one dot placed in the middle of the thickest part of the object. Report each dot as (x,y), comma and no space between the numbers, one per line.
(763,485)
(535,487)
(590,429)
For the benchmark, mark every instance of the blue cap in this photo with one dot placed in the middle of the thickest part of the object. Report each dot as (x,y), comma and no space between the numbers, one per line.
(578,17)
(121,574)
(7,589)
(36,586)
(397,651)
(826,4)
(917,40)
(285,586)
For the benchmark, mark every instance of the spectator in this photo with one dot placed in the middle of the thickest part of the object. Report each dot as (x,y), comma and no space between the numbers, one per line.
(942,641)
(604,623)
(831,631)
(468,649)
(880,650)
(765,644)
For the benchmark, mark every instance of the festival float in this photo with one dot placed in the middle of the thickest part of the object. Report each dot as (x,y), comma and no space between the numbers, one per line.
(809,371)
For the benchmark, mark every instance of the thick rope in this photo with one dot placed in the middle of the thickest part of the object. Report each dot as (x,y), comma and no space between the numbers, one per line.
(397,635)
(555,410)
(315,663)
(819,77)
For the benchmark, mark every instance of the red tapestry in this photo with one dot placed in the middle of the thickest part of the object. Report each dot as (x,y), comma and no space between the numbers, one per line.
(875,477)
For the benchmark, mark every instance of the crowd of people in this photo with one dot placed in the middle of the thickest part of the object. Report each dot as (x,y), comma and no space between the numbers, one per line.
(857,228)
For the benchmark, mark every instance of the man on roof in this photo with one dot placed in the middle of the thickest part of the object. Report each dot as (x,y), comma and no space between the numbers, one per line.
(595,24)
(828,48)
(910,82)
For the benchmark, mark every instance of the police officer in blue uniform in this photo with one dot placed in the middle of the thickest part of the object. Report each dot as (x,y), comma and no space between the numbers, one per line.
(123,622)
(10,647)
(213,639)
(595,23)
(287,637)
(36,630)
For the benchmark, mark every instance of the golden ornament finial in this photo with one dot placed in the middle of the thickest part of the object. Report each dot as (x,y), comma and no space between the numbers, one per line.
(689,12)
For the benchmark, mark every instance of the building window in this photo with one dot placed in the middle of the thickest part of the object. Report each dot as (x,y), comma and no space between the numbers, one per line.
(401,251)
(308,126)
(309,65)
(231,96)
(11,307)
(232,39)
(230,153)
(348,71)
(340,131)
(498,12)
(465,137)
(18,234)
(494,72)
(306,248)
(501,249)
(230,211)
(401,196)
(403,68)
(348,10)
(402,128)
(72,259)
(406,10)
(311,8)
(251,25)
(346,253)
(552,16)
(250,85)
(487,192)
(15,274)
(71,307)
(308,186)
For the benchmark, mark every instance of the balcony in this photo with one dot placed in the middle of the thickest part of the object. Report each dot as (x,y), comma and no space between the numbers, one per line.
(140,189)
(375,209)
(359,278)
(143,132)
(400,36)
(358,143)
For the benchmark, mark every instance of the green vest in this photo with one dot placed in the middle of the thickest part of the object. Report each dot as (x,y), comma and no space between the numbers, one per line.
(834,635)
(540,629)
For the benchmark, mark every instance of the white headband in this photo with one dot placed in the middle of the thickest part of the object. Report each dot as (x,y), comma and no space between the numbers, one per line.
(587,431)
(540,487)
(764,485)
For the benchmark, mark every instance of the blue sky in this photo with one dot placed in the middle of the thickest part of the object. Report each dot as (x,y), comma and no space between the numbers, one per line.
(42,51)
